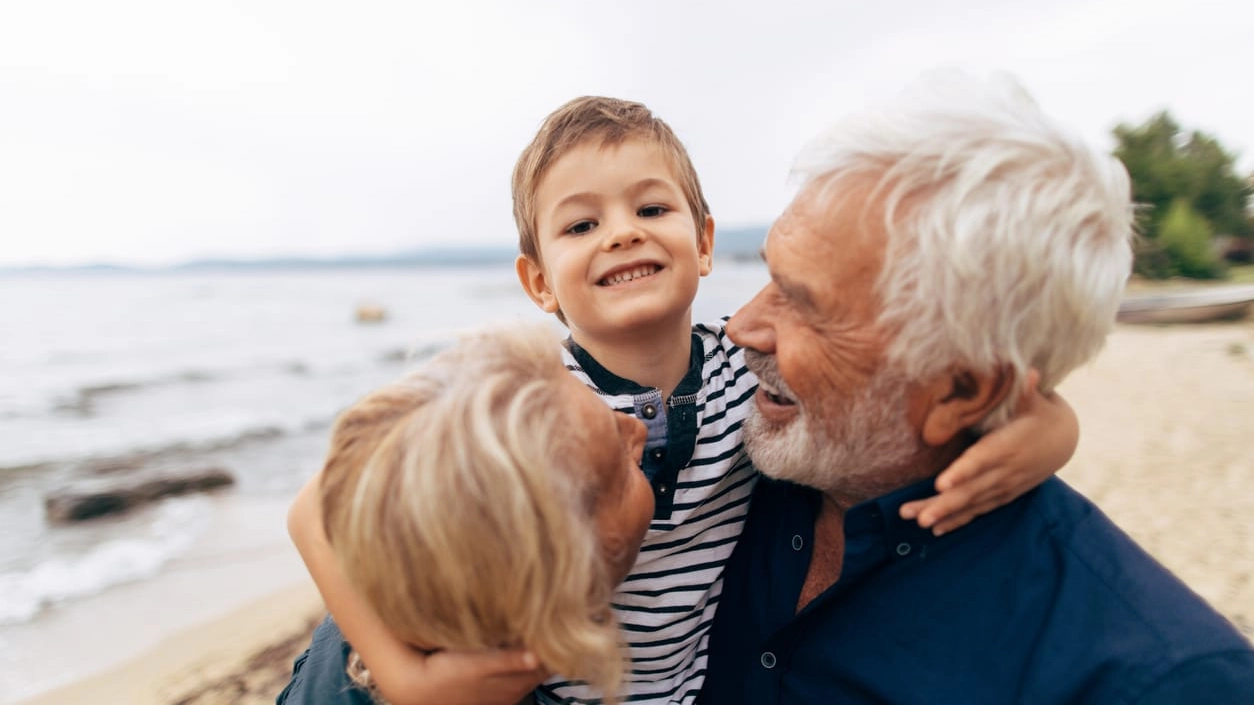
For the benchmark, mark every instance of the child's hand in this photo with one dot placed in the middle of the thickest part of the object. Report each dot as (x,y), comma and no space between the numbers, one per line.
(404,675)
(1003,464)
(502,677)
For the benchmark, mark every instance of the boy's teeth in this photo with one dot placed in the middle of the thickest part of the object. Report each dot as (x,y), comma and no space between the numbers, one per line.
(630,274)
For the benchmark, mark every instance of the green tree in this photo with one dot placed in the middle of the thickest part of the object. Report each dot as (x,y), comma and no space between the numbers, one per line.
(1167,166)
(1185,237)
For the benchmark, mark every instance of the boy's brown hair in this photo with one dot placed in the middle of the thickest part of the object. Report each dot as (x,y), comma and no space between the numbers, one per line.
(610,121)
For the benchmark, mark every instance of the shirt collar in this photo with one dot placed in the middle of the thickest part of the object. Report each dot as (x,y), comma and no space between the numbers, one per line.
(882,517)
(612,384)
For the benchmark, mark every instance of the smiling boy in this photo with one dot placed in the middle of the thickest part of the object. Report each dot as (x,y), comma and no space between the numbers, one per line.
(614,236)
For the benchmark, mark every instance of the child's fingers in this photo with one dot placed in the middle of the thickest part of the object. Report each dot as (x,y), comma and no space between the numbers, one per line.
(498,677)
(961,519)
(910,510)
(955,496)
(977,495)
(971,466)
(946,506)
(983,502)
(928,511)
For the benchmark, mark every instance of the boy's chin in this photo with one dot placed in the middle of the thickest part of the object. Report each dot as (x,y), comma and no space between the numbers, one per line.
(642,323)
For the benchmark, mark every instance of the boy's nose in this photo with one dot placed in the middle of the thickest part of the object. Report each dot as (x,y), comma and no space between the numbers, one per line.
(624,235)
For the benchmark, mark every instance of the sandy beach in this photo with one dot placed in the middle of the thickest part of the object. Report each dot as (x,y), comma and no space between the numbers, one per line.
(1166,419)
(1167,451)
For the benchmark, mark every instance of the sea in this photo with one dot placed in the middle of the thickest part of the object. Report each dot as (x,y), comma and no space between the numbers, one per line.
(106,375)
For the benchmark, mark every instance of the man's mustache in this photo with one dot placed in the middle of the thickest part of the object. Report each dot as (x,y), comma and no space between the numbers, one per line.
(764,368)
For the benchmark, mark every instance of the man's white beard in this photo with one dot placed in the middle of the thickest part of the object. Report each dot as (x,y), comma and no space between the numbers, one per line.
(846,454)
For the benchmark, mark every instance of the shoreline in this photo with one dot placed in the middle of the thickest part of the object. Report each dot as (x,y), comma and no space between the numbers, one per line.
(242,556)
(236,658)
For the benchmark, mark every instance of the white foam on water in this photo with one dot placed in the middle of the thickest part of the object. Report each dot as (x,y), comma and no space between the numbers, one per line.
(175,525)
(241,553)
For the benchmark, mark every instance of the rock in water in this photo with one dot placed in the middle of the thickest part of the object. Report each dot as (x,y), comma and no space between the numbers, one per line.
(371,313)
(95,499)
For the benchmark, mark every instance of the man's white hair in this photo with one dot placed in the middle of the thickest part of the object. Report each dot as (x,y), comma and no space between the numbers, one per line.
(1009,239)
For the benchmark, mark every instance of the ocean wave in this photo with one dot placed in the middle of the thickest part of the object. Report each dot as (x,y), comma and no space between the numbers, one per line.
(414,353)
(82,401)
(176,525)
(96,463)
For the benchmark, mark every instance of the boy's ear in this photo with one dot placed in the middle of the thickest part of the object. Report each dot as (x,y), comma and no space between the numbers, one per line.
(959,400)
(531,276)
(705,247)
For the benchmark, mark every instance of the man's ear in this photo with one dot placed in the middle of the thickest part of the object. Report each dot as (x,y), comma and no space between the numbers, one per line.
(705,247)
(959,400)
(534,282)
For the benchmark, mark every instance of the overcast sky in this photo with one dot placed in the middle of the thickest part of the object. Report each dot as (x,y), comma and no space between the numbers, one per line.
(152,132)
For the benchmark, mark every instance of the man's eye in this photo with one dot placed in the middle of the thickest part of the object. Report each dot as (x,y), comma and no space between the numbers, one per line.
(583,226)
(651,211)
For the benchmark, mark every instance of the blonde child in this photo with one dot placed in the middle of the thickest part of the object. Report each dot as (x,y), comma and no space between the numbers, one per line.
(493,465)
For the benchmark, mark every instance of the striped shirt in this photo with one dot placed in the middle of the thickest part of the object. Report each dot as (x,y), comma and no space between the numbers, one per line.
(701,481)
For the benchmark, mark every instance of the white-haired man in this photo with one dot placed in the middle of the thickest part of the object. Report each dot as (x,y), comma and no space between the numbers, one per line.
(938,250)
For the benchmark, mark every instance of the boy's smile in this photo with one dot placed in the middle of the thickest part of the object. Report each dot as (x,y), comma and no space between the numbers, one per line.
(629,273)
(619,251)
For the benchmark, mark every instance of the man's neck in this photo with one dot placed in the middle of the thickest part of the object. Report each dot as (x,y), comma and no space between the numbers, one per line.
(659,359)
(926,462)
(827,558)
(828,554)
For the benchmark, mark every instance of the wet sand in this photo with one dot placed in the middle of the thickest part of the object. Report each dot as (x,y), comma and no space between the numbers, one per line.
(242,658)
(1166,449)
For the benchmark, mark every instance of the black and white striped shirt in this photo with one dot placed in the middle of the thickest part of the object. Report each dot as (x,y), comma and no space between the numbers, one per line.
(701,481)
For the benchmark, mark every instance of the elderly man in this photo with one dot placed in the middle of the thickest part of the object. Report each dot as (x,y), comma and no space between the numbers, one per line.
(937,251)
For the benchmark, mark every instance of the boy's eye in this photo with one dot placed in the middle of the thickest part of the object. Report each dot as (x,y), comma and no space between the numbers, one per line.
(580,227)
(651,211)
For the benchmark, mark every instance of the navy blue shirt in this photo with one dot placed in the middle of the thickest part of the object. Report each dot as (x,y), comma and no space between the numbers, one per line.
(1042,601)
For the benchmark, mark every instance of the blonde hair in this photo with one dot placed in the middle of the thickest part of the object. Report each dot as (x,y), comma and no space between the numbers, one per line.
(609,121)
(458,504)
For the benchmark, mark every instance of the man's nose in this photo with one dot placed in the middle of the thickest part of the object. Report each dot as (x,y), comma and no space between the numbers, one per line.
(751,328)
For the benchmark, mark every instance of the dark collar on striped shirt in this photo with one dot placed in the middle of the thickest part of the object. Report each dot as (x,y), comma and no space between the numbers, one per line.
(612,384)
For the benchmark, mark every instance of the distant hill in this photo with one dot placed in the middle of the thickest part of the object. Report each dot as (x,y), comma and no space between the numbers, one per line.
(732,243)
(739,243)
(427,257)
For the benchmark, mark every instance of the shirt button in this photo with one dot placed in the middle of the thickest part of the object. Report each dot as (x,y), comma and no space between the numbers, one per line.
(649,411)
(797,543)
(903,549)
(768,660)
(661,489)
(657,453)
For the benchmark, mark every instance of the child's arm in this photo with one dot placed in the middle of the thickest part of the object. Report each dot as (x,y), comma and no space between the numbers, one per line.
(404,675)
(1003,464)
